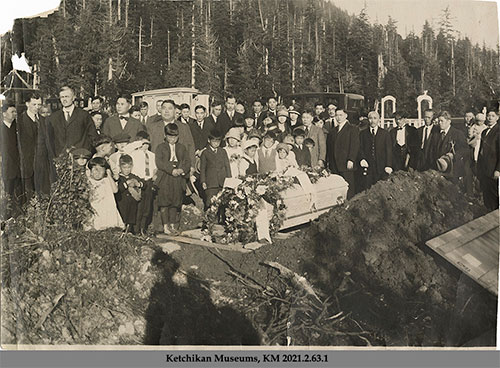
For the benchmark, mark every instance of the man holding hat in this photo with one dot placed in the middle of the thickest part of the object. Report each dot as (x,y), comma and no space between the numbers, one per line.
(214,167)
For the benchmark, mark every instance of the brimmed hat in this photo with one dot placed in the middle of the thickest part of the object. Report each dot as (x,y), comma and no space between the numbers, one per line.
(171,129)
(444,163)
(249,143)
(142,136)
(101,139)
(233,133)
(81,152)
(239,121)
(283,146)
(297,132)
(293,110)
(215,134)
(282,112)
(289,140)
(249,115)
(121,138)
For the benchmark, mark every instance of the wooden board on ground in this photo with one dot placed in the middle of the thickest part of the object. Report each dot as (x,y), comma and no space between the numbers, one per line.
(474,249)
(202,243)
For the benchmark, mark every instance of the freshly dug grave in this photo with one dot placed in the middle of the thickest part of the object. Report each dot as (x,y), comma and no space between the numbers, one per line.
(369,258)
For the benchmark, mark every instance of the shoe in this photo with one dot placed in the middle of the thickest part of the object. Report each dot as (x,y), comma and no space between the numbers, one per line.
(167,229)
(174,230)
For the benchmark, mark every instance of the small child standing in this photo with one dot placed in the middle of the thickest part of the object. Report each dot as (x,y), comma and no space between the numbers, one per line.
(129,193)
(302,153)
(145,168)
(267,154)
(249,163)
(121,141)
(233,150)
(102,197)
(173,164)
(214,167)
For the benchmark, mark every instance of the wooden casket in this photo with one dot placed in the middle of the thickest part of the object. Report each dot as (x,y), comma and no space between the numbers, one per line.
(303,206)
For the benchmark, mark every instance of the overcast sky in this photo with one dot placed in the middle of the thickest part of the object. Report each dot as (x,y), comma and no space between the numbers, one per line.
(476,19)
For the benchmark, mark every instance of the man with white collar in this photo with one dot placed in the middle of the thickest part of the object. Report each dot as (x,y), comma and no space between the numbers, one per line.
(342,149)
(488,162)
(375,151)
(11,172)
(404,144)
(450,140)
(70,126)
(123,123)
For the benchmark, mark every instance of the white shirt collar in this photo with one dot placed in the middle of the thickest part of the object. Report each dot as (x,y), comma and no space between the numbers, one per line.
(374,129)
(168,122)
(127,115)
(69,109)
(446,130)
(341,125)
(8,125)
(491,126)
(31,115)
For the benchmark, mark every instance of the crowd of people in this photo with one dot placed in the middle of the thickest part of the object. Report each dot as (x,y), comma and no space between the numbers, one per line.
(140,163)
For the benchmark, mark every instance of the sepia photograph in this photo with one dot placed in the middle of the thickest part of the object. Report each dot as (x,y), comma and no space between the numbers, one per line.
(249,173)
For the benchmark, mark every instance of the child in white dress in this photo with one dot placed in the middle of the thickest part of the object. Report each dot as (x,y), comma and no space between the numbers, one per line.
(102,197)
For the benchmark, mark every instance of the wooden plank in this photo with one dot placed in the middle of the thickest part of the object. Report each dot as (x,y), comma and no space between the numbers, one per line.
(474,249)
(202,243)
(490,281)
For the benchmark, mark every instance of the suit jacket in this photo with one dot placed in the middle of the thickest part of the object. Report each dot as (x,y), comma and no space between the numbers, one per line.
(455,138)
(78,132)
(214,168)
(343,146)
(186,139)
(381,157)
(319,151)
(156,131)
(44,168)
(165,166)
(411,147)
(489,156)
(27,135)
(259,120)
(112,127)
(153,118)
(200,135)
(224,123)
(302,156)
(425,152)
(9,150)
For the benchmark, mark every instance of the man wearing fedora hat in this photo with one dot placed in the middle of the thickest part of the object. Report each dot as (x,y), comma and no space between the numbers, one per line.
(452,141)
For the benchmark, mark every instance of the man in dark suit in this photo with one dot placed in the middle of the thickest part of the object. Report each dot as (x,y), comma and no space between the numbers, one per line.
(71,126)
(200,129)
(319,151)
(375,151)
(27,135)
(342,149)
(426,136)
(450,140)
(11,172)
(272,104)
(215,112)
(403,139)
(227,118)
(123,123)
(488,162)
(185,112)
(259,115)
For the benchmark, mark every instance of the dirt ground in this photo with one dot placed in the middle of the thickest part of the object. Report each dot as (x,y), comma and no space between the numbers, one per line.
(369,259)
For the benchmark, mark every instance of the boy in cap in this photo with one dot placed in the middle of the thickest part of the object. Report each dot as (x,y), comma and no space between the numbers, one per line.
(121,141)
(145,168)
(103,146)
(81,156)
(302,153)
(214,167)
(173,163)
(267,153)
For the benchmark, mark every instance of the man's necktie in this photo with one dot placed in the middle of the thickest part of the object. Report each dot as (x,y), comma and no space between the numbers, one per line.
(306,129)
(443,134)
(67,115)
(146,162)
(123,117)
(373,131)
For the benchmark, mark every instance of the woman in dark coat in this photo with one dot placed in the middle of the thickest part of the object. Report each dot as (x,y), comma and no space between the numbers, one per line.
(173,163)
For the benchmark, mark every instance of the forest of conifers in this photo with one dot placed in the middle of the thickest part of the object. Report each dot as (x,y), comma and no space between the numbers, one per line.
(252,49)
